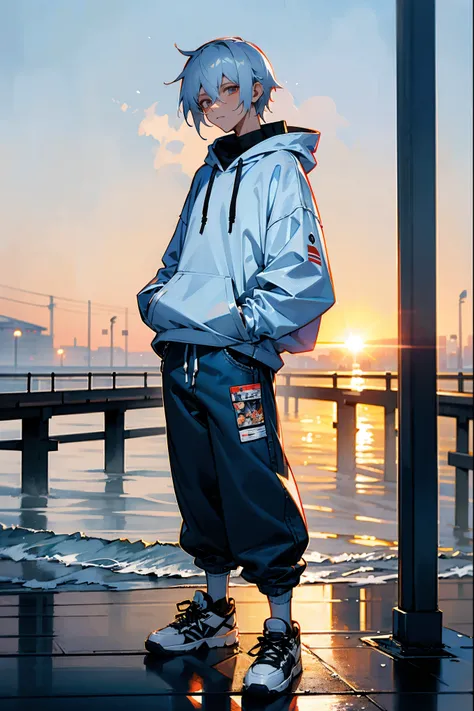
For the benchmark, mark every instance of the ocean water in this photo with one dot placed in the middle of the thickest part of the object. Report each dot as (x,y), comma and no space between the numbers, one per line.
(121,531)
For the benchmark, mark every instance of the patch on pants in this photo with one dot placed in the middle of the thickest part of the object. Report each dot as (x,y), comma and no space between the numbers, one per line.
(247,402)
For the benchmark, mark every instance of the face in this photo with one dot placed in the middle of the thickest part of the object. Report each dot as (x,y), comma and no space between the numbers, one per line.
(228,110)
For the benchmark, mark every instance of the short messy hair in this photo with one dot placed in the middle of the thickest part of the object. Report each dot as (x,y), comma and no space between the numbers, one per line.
(241,62)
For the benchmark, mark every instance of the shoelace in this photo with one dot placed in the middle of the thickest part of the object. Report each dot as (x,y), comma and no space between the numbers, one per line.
(270,650)
(191,614)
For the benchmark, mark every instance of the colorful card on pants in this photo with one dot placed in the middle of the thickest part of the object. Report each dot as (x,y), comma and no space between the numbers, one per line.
(247,402)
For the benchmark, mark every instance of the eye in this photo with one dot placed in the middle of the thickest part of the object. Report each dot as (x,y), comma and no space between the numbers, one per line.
(205,103)
(232,89)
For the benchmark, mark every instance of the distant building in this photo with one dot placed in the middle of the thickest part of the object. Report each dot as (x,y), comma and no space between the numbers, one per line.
(143,360)
(101,356)
(299,362)
(442,354)
(384,354)
(467,355)
(452,353)
(34,346)
(73,355)
(326,362)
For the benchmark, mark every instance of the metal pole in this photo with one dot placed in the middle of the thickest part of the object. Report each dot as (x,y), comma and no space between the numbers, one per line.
(89,323)
(126,337)
(462,296)
(460,336)
(15,340)
(112,321)
(417,621)
(51,320)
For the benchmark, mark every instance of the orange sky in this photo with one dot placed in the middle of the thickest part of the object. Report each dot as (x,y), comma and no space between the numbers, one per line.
(134,220)
(108,246)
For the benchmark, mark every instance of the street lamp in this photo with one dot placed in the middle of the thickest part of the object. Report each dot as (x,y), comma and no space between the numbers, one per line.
(16,335)
(112,321)
(60,353)
(462,296)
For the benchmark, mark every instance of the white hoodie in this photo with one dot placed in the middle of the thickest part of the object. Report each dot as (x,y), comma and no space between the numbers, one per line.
(247,266)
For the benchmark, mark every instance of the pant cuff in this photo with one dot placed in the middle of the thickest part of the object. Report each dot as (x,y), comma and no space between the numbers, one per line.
(214,569)
(281,599)
(272,591)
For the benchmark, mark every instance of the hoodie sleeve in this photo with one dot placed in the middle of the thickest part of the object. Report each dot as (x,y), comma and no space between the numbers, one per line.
(295,287)
(171,256)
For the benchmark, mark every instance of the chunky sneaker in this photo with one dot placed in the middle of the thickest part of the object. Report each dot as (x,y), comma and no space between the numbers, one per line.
(203,621)
(278,660)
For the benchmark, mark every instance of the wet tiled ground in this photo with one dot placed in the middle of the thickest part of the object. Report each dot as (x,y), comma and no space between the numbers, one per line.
(84,650)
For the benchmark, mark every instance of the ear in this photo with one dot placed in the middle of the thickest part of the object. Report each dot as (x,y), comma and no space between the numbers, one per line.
(257,91)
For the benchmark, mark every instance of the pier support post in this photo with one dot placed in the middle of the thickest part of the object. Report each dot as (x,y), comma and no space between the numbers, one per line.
(114,421)
(461,500)
(390,462)
(34,458)
(346,438)
(417,620)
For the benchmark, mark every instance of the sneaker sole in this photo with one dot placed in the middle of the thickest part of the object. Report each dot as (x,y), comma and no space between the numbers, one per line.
(227,640)
(262,690)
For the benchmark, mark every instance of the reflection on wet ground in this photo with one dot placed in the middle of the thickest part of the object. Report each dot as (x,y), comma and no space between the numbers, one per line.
(82,650)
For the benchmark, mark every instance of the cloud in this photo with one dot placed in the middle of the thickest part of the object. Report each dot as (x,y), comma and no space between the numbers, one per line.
(193,147)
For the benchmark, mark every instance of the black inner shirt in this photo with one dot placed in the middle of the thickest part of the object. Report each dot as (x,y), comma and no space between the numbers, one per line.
(230,147)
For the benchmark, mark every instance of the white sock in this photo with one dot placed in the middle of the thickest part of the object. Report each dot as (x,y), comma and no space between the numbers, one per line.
(280,606)
(218,585)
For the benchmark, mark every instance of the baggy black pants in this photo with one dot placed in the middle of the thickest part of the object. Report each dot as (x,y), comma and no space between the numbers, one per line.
(234,487)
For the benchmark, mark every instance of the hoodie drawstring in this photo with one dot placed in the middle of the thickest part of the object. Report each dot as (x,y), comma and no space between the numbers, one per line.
(233,200)
(186,365)
(233,203)
(207,197)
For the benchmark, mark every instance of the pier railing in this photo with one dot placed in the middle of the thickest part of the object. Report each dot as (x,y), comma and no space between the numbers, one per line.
(29,381)
(34,398)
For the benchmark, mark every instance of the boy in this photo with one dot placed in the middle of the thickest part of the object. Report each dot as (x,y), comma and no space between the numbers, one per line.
(245,277)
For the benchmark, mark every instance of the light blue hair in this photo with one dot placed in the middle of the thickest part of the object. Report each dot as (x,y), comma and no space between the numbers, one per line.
(241,62)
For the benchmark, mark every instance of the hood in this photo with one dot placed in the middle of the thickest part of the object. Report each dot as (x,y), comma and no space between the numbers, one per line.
(229,152)
(277,136)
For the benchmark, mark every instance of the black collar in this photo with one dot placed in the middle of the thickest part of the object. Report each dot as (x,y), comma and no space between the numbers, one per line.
(228,148)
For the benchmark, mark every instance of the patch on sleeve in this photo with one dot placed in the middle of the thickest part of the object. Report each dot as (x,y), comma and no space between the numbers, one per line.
(247,403)
(313,252)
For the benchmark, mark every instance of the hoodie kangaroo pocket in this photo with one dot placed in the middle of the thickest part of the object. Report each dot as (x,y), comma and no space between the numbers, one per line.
(198,300)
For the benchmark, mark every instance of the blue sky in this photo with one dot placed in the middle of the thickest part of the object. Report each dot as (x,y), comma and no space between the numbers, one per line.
(85,195)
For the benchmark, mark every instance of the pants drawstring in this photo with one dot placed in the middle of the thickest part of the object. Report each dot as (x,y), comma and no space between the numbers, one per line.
(186,365)
(195,368)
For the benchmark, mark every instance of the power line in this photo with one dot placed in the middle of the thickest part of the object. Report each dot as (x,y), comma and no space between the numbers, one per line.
(60,298)
(71,311)
(27,303)
(82,312)
(109,308)
(25,291)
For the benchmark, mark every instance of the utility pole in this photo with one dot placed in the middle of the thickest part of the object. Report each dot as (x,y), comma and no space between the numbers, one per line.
(462,296)
(89,320)
(112,322)
(126,337)
(51,320)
